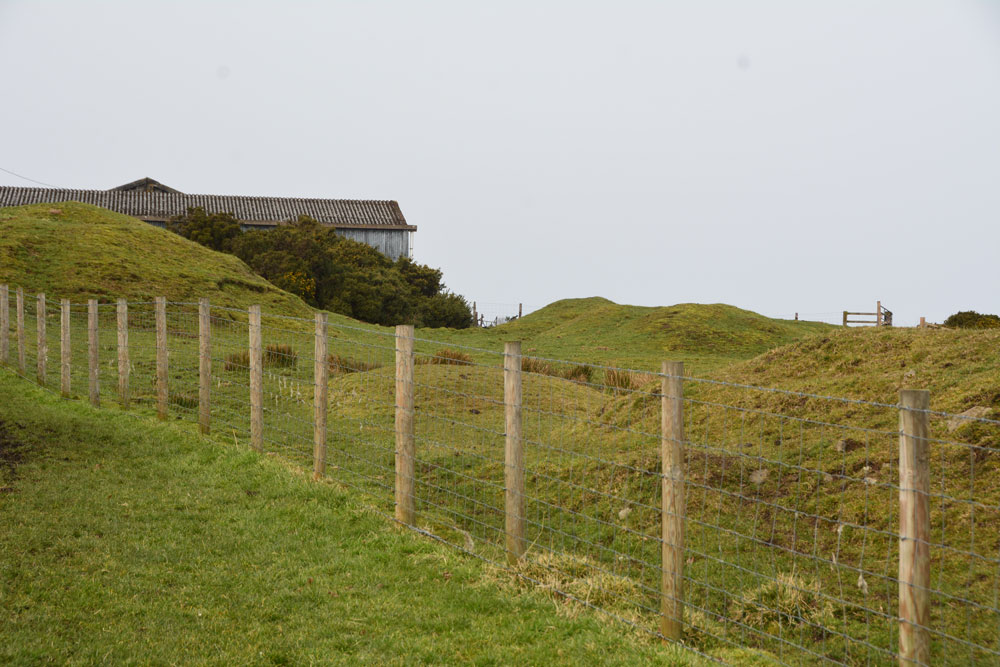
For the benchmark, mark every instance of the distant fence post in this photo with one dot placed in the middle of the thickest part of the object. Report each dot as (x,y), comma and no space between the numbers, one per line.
(321,370)
(42,345)
(93,366)
(160,306)
(514,501)
(520,310)
(123,360)
(65,351)
(19,314)
(256,381)
(405,450)
(914,528)
(673,502)
(204,366)
(845,318)
(4,325)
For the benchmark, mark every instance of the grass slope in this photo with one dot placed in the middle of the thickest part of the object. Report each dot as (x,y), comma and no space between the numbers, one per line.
(597,330)
(126,541)
(77,251)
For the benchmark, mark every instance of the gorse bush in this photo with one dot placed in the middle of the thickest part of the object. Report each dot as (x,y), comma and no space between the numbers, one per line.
(332,272)
(970,319)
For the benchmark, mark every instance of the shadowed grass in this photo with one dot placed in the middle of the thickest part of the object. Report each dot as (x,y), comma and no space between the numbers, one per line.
(125,541)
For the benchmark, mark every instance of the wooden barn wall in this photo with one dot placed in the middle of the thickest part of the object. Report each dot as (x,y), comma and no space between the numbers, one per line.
(394,243)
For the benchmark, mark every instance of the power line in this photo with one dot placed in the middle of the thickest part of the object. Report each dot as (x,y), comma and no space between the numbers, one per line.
(27,179)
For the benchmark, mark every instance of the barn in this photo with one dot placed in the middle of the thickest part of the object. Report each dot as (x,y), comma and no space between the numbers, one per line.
(379,223)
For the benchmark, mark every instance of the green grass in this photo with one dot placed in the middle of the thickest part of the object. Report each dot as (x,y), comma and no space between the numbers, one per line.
(78,251)
(127,541)
(599,331)
(780,481)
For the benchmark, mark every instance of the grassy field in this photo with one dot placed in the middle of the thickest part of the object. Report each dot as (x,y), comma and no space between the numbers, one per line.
(792,499)
(125,541)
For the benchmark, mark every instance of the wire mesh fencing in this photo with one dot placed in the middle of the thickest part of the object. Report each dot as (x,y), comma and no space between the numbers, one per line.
(745,522)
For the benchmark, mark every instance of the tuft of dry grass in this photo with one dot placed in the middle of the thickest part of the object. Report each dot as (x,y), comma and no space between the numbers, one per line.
(533,365)
(341,364)
(237,361)
(447,356)
(282,356)
(617,379)
(580,373)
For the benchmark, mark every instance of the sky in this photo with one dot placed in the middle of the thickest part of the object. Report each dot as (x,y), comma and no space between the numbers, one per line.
(783,157)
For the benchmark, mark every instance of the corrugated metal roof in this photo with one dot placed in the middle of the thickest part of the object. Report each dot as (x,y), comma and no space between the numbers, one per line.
(163,205)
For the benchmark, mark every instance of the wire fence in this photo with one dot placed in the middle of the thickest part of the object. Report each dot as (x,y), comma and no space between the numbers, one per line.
(745,522)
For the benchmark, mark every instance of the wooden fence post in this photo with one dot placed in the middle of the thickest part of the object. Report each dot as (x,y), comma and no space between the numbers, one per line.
(65,351)
(321,370)
(514,501)
(520,310)
(4,325)
(845,318)
(256,382)
(914,528)
(673,502)
(405,449)
(19,314)
(42,345)
(878,313)
(160,305)
(93,354)
(123,360)
(204,366)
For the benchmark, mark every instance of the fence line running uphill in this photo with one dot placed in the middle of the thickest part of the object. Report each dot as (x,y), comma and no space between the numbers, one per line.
(734,519)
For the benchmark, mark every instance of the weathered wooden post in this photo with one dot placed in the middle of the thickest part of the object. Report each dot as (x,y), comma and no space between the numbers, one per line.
(520,310)
(845,318)
(93,353)
(256,381)
(22,363)
(673,502)
(42,345)
(923,322)
(65,351)
(514,500)
(123,360)
(405,450)
(321,370)
(878,313)
(475,315)
(4,325)
(914,528)
(160,306)
(204,366)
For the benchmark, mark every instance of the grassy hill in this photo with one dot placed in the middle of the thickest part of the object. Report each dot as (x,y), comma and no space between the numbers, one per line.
(784,486)
(77,251)
(597,330)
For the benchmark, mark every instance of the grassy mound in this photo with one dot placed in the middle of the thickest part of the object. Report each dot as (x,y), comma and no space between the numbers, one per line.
(600,331)
(77,251)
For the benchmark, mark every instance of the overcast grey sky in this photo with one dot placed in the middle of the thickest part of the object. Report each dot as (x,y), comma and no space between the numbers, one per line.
(778,156)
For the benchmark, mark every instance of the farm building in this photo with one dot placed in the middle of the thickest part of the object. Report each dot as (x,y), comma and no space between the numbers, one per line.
(379,223)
